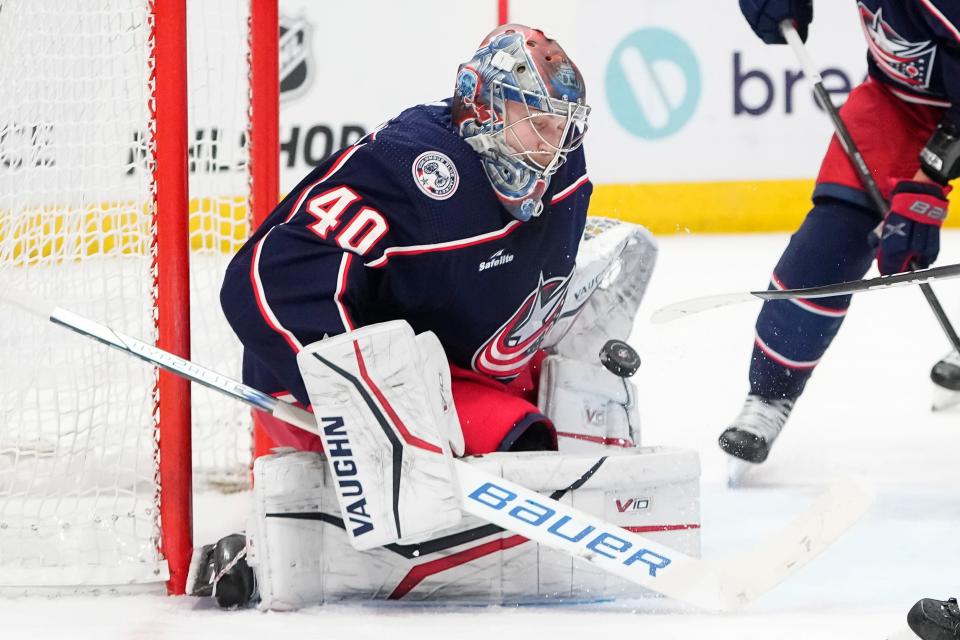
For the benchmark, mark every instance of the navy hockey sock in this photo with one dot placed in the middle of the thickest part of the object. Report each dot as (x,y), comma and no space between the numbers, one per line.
(792,335)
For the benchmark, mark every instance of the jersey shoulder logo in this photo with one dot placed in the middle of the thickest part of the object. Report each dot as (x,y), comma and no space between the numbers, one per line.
(436,175)
(910,63)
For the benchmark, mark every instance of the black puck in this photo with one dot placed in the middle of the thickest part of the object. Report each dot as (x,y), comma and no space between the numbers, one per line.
(619,358)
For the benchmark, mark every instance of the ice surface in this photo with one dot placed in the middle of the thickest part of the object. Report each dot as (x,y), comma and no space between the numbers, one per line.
(866,411)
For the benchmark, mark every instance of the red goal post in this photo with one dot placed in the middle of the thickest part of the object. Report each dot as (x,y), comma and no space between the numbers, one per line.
(125,186)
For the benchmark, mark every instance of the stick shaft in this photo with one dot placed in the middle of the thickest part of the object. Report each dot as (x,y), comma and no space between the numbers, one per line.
(863,171)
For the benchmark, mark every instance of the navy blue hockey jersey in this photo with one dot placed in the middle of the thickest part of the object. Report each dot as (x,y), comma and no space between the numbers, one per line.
(914,48)
(404,224)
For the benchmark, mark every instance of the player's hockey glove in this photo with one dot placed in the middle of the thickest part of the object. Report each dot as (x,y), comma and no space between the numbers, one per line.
(765,16)
(911,230)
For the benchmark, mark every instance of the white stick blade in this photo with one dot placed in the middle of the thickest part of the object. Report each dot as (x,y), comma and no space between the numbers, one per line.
(691,306)
(753,574)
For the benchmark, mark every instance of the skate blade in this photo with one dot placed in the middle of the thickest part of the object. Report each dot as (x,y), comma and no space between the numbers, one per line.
(944,399)
(739,471)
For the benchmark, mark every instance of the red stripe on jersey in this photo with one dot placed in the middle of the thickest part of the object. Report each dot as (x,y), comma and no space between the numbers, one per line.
(562,195)
(342,160)
(342,274)
(941,18)
(443,246)
(261,297)
(915,99)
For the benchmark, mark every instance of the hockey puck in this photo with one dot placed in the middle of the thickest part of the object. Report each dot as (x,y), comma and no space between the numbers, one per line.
(619,358)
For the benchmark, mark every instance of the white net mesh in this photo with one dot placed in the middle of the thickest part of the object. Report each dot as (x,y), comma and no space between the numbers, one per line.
(77,438)
(219,223)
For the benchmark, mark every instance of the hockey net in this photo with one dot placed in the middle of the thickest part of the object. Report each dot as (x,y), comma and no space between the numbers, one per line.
(79,425)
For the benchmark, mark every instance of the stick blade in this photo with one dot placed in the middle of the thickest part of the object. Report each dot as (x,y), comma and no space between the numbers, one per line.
(691,306)
(758,571)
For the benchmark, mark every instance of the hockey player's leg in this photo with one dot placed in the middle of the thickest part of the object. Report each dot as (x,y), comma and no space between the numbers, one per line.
(935,619)
(792,335)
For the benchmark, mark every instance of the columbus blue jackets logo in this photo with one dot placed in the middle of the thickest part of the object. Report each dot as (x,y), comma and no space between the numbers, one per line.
(436,175)
(513,345)
(910,63)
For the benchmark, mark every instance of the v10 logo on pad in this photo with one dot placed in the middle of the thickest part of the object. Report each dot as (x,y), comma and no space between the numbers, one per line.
(630,505)
(653,83)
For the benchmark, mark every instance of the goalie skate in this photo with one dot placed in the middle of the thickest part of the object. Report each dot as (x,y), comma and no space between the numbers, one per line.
(945,376)
(935,619)
(749,439)
(221,571)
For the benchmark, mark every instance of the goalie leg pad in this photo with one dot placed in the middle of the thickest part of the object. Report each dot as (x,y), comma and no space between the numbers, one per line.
(285,537)
(302,558)
(383,403)
(589,406)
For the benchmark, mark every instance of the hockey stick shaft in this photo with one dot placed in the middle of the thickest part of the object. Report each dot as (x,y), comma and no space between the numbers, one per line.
(859,164)
(538,517)
(696,305)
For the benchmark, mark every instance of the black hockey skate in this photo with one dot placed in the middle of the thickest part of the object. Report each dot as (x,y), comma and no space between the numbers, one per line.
(935,619)
(753,432)
(945,376)
(221,570)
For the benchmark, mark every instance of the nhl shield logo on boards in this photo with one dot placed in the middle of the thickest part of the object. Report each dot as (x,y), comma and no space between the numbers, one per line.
(436,175)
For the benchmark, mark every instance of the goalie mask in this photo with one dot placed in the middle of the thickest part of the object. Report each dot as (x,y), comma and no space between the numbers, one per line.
(520,103)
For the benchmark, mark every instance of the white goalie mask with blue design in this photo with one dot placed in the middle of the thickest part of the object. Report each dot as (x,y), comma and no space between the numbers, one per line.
(520,103)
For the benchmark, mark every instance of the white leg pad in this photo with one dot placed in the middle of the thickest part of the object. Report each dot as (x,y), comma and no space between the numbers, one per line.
(285,538)
(302,557)
(383,402)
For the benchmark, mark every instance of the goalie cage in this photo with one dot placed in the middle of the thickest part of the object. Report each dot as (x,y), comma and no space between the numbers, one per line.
(94,153)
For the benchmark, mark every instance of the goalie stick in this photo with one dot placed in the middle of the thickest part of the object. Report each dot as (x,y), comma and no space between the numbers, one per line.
(696,305)
(713,585)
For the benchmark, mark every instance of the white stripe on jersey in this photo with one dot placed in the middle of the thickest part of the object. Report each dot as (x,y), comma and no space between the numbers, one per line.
(261,295)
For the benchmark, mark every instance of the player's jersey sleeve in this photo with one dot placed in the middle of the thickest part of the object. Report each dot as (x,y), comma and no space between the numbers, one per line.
(301,277)
(943,18)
